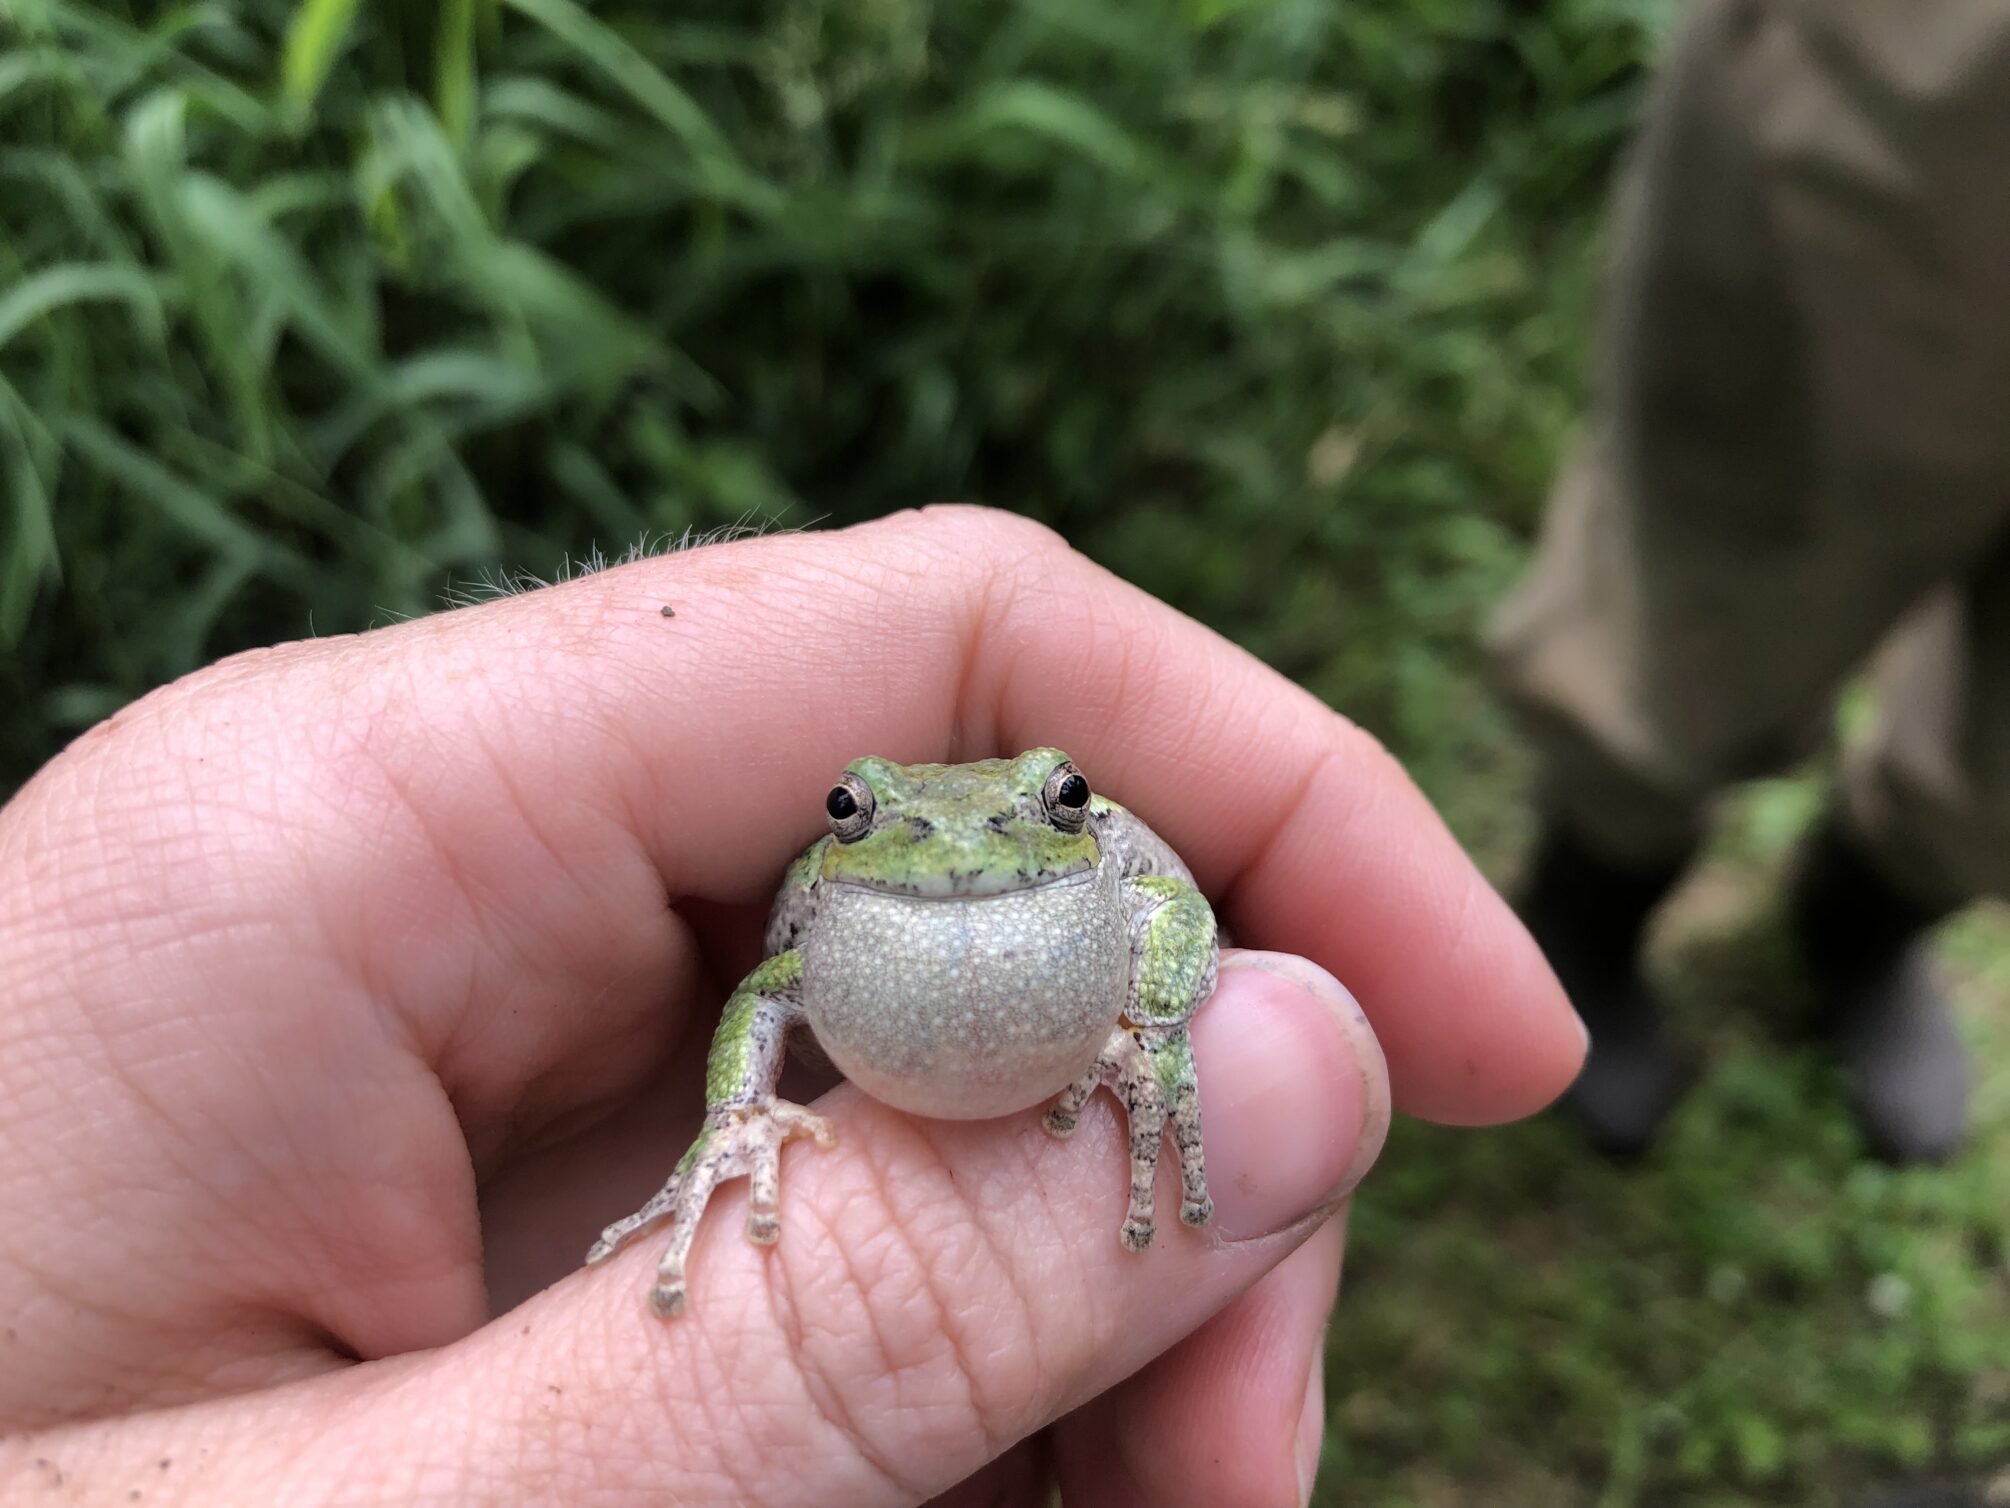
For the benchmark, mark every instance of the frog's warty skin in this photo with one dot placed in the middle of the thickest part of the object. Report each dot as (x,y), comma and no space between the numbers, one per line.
(1173,953)
(964,1009)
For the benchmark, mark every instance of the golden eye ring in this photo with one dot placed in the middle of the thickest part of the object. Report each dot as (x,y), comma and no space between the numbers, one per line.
(1066,798)
(850,806)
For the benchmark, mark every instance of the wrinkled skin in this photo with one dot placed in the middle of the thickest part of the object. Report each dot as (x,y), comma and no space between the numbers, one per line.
(345,987)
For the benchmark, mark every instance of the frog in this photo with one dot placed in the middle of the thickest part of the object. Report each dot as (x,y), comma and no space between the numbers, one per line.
(966,942)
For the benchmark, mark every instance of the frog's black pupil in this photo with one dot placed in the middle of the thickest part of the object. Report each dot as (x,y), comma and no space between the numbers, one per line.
(841,804)
(1074,792)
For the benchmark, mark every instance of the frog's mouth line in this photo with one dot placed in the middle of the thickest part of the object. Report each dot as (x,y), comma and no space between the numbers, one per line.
(910,892)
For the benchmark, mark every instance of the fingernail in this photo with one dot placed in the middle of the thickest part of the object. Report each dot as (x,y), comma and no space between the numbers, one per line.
(1294,1092)
(1311,1428)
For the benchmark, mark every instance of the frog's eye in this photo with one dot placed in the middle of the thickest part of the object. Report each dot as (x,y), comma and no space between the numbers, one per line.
(1066,798)
(850,805)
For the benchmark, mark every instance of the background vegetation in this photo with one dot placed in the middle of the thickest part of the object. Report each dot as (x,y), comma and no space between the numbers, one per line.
(309,311)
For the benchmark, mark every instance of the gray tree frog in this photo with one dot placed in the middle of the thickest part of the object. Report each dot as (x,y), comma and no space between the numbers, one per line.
(967,941)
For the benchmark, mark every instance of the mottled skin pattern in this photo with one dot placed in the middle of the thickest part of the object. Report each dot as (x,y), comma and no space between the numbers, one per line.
(969,940)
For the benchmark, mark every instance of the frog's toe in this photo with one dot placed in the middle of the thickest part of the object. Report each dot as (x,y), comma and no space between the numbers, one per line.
(794,1120)
(764,1227)
(1196,1211)
(617,1235)
(1137,1234)
(668,1300)
(1066,1112)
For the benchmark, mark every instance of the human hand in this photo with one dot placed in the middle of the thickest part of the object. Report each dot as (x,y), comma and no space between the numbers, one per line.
(347,987)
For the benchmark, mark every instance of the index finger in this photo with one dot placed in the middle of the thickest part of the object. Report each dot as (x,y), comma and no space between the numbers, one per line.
(956,633)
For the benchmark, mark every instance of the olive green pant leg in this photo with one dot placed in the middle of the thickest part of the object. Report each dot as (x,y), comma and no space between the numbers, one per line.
(1928,791)
(1798,430)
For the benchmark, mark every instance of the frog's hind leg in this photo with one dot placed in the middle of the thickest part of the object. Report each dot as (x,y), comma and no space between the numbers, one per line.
(1150,1069)
(1145,1110)
(733,1144)
(714,1157)
(1148,1059)
(1121,1065)
(1172,1065)
(660,1204)
(1066,1112)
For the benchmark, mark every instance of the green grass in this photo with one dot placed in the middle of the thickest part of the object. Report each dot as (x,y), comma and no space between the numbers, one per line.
(310,311)
(1756,1315)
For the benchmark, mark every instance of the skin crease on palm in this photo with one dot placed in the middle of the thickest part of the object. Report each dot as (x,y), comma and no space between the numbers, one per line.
(346,987)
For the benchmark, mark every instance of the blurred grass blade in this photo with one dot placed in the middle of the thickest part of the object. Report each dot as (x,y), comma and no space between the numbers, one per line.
(199,607)
(454,69)
(1030,107)
(156,141)
(189,508)
(642,81)
(30,555)
(19,70)
(89,212)
(122,56)
(78,706)
(540,102)
(234,233)
(489,386)
(1452,231)
(314,39)
(54,288)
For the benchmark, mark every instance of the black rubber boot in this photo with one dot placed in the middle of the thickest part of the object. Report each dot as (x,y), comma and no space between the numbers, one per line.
(1881,1002)
(1589,914)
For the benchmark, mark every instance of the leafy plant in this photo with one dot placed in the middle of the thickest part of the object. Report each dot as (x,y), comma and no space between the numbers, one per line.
(310,310)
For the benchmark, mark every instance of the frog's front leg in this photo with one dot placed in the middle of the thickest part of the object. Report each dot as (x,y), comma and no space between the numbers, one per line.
(745,1128)
(1148,1060)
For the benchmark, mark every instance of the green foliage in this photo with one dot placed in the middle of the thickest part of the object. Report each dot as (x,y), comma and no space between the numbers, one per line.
(307,310)
(1755,1314)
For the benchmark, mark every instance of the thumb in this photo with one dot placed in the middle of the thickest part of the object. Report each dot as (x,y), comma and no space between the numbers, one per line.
(940,1291)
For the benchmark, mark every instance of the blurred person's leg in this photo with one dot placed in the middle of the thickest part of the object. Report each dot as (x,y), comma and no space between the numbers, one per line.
(1925,813)
(1802,426)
